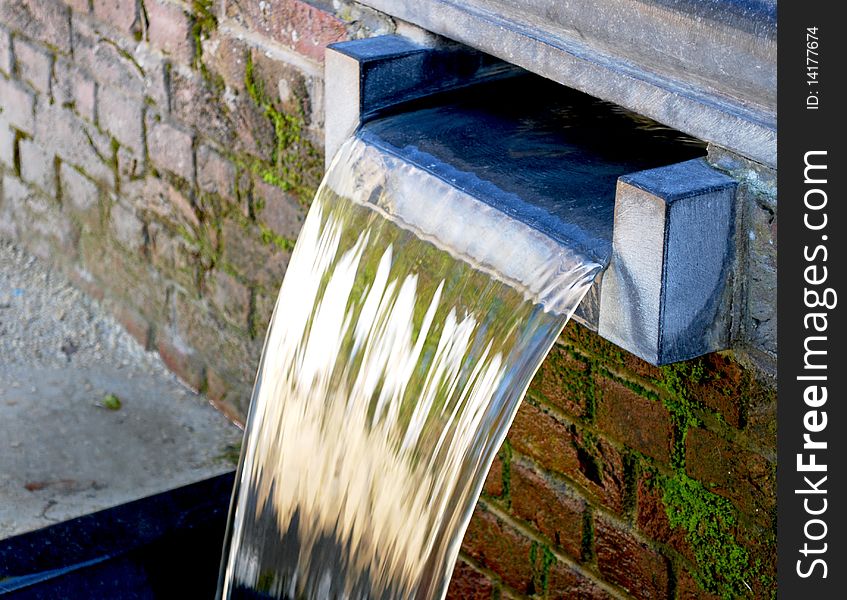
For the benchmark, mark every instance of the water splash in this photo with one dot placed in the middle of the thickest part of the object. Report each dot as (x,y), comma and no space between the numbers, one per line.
(410,322)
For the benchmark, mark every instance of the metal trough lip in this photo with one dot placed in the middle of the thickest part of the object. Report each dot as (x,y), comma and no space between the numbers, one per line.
(705,67)
(548,156)
(622,189)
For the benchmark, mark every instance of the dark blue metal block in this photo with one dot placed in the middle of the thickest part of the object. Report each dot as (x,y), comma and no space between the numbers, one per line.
(666,294)
(590,175)
(163,546)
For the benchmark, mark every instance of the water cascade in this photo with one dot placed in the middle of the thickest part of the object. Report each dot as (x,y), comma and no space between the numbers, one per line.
(396,358)
(421,298)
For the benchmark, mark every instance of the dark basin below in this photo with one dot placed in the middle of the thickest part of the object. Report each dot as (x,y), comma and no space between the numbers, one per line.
(163,546)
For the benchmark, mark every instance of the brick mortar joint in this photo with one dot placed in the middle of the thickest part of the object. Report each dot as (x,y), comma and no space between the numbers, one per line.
(711,420)
(528,533)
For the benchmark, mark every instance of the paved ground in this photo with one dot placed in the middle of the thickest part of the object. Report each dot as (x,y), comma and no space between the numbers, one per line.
(88,419)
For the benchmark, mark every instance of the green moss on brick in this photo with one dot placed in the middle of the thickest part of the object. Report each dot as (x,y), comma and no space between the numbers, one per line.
(680,404)
(630,473)
(506,472)
(280,241)
(587,340)
(574,383)
(208,254)
(590,464)
(296,163)
(541,558)
(587,553)
(205,23)
(709,521)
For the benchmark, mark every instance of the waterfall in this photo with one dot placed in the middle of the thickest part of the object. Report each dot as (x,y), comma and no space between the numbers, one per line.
(410,322)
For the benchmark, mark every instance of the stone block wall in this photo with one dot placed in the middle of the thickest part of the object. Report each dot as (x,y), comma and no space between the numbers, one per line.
(164,154)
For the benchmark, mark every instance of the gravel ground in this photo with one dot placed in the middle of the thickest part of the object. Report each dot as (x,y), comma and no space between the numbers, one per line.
(88,418)
(46,323)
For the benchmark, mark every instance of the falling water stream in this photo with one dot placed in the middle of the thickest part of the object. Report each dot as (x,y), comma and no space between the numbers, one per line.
(409,325)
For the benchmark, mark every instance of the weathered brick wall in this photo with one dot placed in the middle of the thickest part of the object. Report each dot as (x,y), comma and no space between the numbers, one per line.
(164,154)
(623,479)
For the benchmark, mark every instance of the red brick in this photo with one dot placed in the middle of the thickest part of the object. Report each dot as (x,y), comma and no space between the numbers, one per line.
(564,381)
(597,467)
(216,386)
(37,166)
(226,56)
(73,88)
(108,63)
(493,485)
(127,228)
(5,52)
(131,165)
(159,201)
(37,222)
(468,584)
(33,66)
(292,23)
(14,193)
(641,368)
(652,518)
(760,543)
(497,546)
(724,387)
(170,149)
(169,30)
(215,174)
(84,98)
(132,68)
(284,85)
(564,582)
(156,76)
(761,417)
(231,298)
(17,106)
(264,308)
(280,211)
(539,435)
(76,142)
(228,395)
(172,255)
(641,423)
(744,477)
(628,562)
(120,14)
(588,342)
(45,21)
(687,587)
(136,325)
(180,359)
(548,507)
(240,124)
(263,264)
(121,117)
(9,227)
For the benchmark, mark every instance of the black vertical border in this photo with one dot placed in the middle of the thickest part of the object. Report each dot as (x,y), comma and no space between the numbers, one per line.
(801,130)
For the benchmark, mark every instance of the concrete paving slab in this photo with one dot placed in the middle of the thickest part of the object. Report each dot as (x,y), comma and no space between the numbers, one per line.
(63,451)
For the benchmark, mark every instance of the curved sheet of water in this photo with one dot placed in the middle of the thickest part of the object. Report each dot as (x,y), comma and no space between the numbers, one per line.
(410,322)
